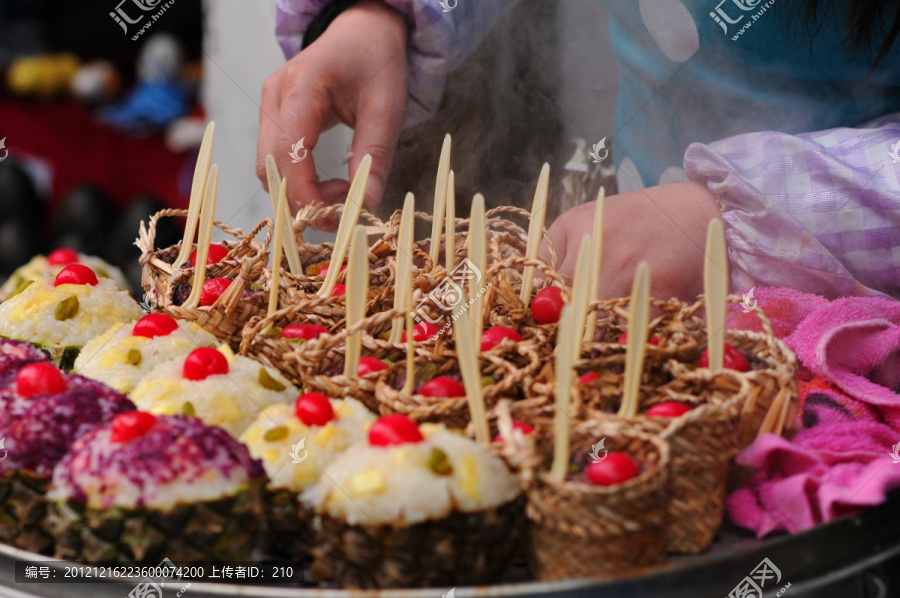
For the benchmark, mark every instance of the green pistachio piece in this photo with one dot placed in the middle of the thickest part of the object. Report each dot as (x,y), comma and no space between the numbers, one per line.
(188,409)
(439,463)
(102,273)
(486,381)
(276,434)
(267,381)
(66,309)
(134,357)
(274,332)
(21,286)
(426,372)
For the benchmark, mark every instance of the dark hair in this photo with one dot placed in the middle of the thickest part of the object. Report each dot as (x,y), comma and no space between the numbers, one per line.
(873,26)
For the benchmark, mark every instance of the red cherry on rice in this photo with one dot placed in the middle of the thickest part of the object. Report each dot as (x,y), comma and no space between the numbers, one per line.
(304,331)
(547,305)
(623,339)
(668,409)
(443,386)
(589,377)
(216,254)
(204,362)
(339,290)
(394,429)
(733,359)
(63,257)
(153,325)
(495,335)
(616,468)
(76,274)
(314,409)
(131,425)
(324,269)
(517,425)
(212,290)
(422,331)
(40,379)
(369,365)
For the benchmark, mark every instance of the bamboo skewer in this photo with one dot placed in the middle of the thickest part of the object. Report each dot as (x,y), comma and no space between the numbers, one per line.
(277,245)
(207,217)
(450,234)
(715,282)
(535,231)
(357,291)
(597,255)
(467,354)
(564,373)
(352,209)
(637,341)
(403,265)
(410,356)
(290,250)
(198,192)
(581,289)
(478,257)
(440,199)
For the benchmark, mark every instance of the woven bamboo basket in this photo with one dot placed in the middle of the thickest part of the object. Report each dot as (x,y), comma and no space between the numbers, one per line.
(156,264)
(579,530)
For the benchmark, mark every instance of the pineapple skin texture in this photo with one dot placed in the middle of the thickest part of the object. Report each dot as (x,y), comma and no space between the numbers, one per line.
(23,511)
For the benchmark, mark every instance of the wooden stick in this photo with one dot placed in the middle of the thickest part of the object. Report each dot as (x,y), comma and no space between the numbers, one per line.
(637,341)
(467,353)
(277,245)
(357,291)
(478,257)
(440,200)
(410,356)
(403,265)
(715,283)
(198,192)
(352,208)
(596,256)
(564,372)
(207,217)
(290,250)
(535,231)
(450,235)
(581,288)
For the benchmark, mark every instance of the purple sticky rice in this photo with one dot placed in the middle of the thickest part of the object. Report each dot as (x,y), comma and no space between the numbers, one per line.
(15,354)
(39,430)
(173,447)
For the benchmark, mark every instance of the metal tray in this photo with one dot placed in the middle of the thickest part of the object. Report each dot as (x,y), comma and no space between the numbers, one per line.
(813,563)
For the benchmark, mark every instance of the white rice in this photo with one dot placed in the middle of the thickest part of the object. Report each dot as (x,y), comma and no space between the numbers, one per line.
(105,358)
(39,269)
(29,316)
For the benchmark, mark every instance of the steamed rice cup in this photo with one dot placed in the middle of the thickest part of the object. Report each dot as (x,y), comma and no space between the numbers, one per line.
(61,317)
(45,268)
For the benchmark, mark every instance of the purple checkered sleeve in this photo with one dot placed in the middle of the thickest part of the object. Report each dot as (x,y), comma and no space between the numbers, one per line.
(818,212)
(441,36)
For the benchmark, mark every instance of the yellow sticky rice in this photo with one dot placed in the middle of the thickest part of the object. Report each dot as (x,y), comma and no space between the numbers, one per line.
(394,484)
(39,269)
(292,459)
(231,401)
(29,316)
(106,358)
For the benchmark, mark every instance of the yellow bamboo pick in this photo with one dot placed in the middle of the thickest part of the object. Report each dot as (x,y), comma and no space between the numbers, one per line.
(404,264)
(715,282)
(478,257)
(450,235)
(467,354)
(440,199)
(596,256)
(198,192)
(410,356)
(637,340)
(357,291)
(290,248)
(581,289)
(535,231)
(277,245)
(207,219)
(564,373)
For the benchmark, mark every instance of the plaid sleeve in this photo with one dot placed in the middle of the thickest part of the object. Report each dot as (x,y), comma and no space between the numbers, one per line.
(442,33)
(818,212)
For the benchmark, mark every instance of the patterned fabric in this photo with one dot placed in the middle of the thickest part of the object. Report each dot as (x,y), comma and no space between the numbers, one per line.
(817,212)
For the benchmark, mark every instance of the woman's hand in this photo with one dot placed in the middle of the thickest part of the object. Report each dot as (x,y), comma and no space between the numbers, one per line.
(664,226)
(354,73)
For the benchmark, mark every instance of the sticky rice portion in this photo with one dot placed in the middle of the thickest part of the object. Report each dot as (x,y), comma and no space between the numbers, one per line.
(121,360)
(39,269)
(293,452)
(398,485)
(32,314)
(231,401)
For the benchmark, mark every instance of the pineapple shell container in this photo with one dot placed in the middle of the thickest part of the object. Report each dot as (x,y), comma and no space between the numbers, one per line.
(156,264)
(772,404)
(141,505)
(579,530)
(37,432)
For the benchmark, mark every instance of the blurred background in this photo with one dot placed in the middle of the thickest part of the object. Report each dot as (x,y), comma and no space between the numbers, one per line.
(100,119)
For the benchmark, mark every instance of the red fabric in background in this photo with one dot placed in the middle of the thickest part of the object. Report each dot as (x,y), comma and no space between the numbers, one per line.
(81,150)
